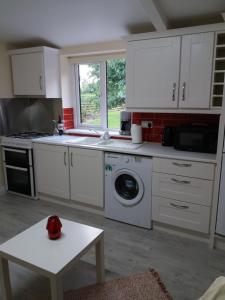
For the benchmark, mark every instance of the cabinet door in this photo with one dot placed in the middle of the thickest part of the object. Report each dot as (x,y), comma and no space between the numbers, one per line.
(196,70)
(153,73)
(52,170)
(86,176)
(28,74)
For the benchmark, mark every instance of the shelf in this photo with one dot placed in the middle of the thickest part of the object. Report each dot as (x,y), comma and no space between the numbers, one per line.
(218,71)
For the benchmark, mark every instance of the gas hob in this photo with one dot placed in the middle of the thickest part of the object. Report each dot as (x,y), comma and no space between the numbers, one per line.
(22,139)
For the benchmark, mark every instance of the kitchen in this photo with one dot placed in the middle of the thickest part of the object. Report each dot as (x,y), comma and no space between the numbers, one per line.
(174,192)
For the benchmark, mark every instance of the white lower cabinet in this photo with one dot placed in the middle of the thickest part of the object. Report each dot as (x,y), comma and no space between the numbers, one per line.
(52,170)
(182,195)
(181,214)
(86,176)
(70,173)
(194,190)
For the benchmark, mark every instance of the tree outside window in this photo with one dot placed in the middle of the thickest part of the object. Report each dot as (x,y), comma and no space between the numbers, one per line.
(101,93)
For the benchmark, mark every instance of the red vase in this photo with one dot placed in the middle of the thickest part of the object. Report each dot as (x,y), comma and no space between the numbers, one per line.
(54,226)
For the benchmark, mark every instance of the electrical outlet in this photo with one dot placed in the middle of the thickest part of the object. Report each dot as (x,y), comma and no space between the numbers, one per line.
(146,124)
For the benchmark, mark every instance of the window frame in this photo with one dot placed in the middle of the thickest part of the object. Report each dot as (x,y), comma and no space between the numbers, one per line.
(103,90)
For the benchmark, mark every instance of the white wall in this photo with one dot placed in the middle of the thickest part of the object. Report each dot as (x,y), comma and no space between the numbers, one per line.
(5,73)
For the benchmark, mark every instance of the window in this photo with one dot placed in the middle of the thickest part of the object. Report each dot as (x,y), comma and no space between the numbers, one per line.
(100,93)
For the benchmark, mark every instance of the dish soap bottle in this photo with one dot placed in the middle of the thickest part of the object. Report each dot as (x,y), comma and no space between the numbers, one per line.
(60,125)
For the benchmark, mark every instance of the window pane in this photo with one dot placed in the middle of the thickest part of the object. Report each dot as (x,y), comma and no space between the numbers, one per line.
(116,90)
(89,81)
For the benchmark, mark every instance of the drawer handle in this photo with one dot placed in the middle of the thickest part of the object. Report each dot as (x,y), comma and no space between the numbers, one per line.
(181,181)
(181,165)
(179,206)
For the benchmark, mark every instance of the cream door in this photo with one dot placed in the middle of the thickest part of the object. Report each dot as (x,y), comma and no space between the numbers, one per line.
(181,214)
(153,73)
(86,176)
(196,70)
(28,74)
(52,170)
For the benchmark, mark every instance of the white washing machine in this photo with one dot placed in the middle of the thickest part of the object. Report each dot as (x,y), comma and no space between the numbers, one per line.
(128,188)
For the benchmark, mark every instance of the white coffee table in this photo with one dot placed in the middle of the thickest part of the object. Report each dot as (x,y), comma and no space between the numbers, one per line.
(52,258)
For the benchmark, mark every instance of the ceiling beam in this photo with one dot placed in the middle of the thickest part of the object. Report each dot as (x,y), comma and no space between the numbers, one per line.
(156,16)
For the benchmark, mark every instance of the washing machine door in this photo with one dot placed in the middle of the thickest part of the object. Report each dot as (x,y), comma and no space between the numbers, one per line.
(128,187)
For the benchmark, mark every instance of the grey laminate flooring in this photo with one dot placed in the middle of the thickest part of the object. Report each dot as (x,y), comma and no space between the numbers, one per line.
(187,267)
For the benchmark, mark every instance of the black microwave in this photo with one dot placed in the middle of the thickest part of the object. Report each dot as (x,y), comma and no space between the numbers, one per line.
(196,138)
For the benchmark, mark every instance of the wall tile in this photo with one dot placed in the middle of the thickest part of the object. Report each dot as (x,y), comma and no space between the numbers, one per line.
(160,120)
(68,116)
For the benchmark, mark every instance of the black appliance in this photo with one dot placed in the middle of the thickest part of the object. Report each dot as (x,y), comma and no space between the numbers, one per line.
(18,162)
(168,136)
(196,138)
(125,122)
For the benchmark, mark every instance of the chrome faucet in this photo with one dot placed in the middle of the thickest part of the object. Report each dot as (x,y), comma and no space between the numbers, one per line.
(103,136)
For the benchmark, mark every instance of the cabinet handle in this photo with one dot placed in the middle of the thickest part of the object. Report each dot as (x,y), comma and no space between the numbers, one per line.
(65,158)
(181,181)
(179,206)
(40,82)
(174,91)
(181,165)
(71,159)
(183,90)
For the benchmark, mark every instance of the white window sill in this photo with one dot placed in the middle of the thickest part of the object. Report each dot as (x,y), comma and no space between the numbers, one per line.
(89,132)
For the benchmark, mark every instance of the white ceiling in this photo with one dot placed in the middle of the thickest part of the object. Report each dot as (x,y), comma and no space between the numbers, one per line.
(72,22)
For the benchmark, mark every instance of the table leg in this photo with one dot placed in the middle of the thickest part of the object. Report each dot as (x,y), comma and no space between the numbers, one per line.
(100,270)
(56,288)
(5,280)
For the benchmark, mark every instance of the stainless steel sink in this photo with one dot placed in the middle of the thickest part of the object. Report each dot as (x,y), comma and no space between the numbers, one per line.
(111,143)
(83,141)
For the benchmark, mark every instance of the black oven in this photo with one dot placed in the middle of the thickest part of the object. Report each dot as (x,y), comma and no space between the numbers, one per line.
(18,168)
(196,138)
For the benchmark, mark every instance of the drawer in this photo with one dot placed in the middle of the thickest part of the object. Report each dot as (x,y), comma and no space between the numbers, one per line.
(192,190)
(184,168)
(181,214)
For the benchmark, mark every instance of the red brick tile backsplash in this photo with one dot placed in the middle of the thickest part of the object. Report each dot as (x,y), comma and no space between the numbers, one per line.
(160,120)
(68,118)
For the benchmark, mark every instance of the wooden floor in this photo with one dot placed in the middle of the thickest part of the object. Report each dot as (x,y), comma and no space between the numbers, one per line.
(187,267)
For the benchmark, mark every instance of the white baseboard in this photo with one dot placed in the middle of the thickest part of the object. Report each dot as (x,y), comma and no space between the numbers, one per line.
(2,190)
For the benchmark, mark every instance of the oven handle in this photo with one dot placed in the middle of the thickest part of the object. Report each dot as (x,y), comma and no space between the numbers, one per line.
(14,150)
(16,168)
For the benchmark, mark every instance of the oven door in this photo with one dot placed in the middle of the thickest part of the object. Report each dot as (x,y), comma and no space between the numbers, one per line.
(18,180)
(17,157)
(18,169)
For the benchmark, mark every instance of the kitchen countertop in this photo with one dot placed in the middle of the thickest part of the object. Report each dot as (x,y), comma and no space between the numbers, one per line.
(145,149)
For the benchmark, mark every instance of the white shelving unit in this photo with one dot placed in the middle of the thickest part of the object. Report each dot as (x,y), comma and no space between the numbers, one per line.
(218,71)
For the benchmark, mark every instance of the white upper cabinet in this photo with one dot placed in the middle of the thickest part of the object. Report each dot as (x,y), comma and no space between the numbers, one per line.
(170,72)
(196,70)
(36,72)
(153,73)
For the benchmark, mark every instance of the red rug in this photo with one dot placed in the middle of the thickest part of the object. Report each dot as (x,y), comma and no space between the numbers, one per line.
(143,286)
